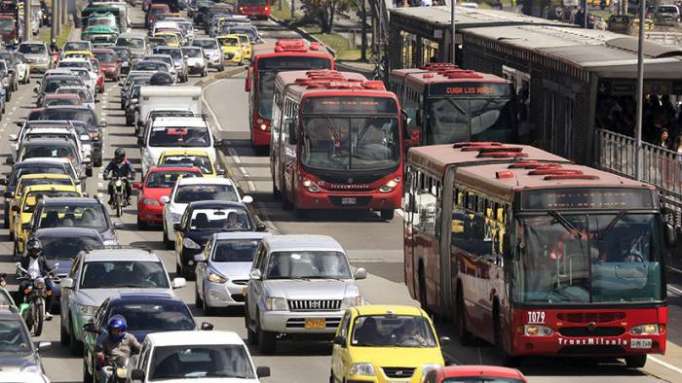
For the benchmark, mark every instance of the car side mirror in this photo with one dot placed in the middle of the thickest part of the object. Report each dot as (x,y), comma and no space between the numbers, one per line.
(90,327)
(35,90)
(165,199)
(262,371)
(13,137)
(179,282)
(177,227)
(291,131)
(43,345)
(218,143)
(199,257)
(137,374)
(247,199)
(140,141)
(220,172)
(340,340)
(102,124)
(255,275)
(360,273)
(66,283)
(19,123)
(445,339)
(260,226)
(137,185)
(206,326)
(3,181)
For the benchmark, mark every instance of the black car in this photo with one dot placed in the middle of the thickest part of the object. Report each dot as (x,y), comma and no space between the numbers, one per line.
(201,220)
(145,313)
(17,350)
(88,213)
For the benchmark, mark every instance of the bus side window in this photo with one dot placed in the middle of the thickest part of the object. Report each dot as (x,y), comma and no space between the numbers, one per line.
(458,218)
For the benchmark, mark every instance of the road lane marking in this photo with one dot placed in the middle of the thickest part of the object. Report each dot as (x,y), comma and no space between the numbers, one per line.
(208,106)
(665,364)
(233,154)
(675,289)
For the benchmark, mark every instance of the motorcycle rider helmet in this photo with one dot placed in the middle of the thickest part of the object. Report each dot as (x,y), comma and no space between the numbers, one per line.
(117,322)
(119,155)
(34,247)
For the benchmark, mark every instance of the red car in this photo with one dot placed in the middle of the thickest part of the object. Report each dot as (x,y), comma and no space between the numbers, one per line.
(474,373)
(158,182)
(100,75)
(108,62)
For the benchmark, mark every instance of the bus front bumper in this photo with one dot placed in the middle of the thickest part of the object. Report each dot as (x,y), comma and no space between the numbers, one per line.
(372,200)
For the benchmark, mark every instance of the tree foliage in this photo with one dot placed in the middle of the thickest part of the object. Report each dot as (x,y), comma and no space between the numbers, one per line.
(324,11)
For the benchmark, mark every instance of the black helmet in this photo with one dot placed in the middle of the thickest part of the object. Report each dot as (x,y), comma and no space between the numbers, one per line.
(119,155)
(34,247)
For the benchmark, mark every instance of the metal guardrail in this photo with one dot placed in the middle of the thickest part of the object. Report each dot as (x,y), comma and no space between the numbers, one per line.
(660,167)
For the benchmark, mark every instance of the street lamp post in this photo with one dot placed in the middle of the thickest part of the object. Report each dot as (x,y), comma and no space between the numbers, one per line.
(452,32)
(640,91)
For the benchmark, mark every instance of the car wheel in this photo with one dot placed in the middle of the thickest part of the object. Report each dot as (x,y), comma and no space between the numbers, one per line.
(170,245)
(64,338)
(208,310)
(635,361)
(266,341)
(204,73)
(250,334)
(141,225)
(198,302)
(98,161)
(387,214)
(11,235)
(221,68)
(75,346)
(88,172)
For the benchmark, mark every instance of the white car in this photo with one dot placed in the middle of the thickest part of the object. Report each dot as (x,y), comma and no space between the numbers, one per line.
(188,190)
(170,133)
(196,356)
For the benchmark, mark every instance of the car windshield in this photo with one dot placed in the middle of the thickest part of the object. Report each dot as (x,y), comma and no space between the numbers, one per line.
(192,52)
(37,169)
(235,250)
(171,136)
(130,42)
(74,64)
(392,331)
(88,216)
(252,35)
(308,265)
(86,116)
(62,101)
(229,41)
(355,143)
(55,83)
(155,316)
(600,258)
(166,59)
(67,247)
(33,197)
(206,44)
(124,54)
(201,162)
(13,337)
(77,46)
(34,151)
(32,49)
(203,192)
(83,93)
(105,57)
(176,54)
(25,182)
(220,219)
(166,179)
(667,9)
(201,361)
(123,274)
(151,66)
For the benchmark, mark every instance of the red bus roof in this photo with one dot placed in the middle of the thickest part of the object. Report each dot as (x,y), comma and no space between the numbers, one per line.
(501,169)
(444,73)
(316,83)
(295,48)
(479,371)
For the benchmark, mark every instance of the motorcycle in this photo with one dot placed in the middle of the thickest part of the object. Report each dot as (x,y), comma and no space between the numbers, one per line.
(115,369)
(32,307)
(119,199)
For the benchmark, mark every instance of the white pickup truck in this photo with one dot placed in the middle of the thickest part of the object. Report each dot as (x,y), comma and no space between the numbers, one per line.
(169,98)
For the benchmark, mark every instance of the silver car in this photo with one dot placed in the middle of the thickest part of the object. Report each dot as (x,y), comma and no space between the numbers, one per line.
(223,267)
(101,273)
(36,54)
(299,285)
(212,51)
(19,356)
(196,62)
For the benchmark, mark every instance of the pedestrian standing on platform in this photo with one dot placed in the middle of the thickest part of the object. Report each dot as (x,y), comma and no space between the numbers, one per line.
(664,139)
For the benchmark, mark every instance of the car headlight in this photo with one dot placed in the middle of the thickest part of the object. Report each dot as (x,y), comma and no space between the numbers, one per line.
(87,310)
(645,329)
(176,217)
(390,185)
(216,278)
(150,202)
(362,369)
(429,367)
(276,304)
(188,243)
(536,330)
(352,301)
(110,242)
(311,186)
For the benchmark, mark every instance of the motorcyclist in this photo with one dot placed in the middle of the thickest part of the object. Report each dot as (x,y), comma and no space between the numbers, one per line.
(119,167)
(115,344)
(53,46)
(36,262)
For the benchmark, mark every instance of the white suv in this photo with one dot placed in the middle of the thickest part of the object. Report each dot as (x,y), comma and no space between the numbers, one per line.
(168,133)
(193,189)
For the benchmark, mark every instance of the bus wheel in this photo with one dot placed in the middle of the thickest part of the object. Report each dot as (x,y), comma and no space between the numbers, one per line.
(635,361)
(387,214)
(460,323)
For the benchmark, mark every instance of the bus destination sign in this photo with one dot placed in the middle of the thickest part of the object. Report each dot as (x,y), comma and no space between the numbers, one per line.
(470,89)
(342,105)
(574,199)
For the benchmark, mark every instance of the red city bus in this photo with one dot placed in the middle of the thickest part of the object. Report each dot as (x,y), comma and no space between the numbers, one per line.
(288,55)
(535,254)
(258,9)
(445,104)
(336,143)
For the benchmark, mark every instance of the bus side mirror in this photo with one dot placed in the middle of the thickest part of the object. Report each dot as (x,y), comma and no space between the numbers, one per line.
(290,128)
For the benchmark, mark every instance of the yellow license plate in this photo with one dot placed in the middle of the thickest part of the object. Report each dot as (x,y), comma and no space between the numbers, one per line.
(315,323)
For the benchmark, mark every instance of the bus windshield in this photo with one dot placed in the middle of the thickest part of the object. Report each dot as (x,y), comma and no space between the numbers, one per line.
(469,119)
(598,258)
(351,143)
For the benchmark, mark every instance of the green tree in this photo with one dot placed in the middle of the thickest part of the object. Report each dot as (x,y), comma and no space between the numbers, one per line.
(325,11)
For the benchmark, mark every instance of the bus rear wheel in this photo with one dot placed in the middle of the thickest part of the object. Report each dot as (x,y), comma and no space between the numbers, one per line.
(635,361)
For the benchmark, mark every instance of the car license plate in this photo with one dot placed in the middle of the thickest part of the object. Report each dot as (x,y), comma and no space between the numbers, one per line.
(640,343)
(315,324)
(349,201)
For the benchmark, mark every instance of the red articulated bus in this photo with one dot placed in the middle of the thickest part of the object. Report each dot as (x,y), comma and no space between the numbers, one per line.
(336,143)
(535,254)
(257,9)
(445,104)
(288,55)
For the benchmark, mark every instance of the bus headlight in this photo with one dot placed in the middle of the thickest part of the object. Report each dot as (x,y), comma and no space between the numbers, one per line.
(390,185)
(645,329)
(311,186)
(536,330)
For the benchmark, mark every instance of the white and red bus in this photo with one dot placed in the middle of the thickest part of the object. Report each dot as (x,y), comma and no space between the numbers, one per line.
(288,55)
(446,104)
(257,9)
(336,143)
(535,254)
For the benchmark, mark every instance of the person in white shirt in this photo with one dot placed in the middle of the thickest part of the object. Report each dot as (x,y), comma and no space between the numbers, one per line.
(35,264)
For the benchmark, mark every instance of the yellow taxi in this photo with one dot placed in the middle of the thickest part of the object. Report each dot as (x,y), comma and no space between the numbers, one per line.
(232,49)
(77,54)
(190,158)
(24,211)
(247,45)
(32,180)
(382,344)
(171,39)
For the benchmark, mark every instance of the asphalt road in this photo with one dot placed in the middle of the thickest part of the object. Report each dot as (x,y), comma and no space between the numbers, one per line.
(371,243)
